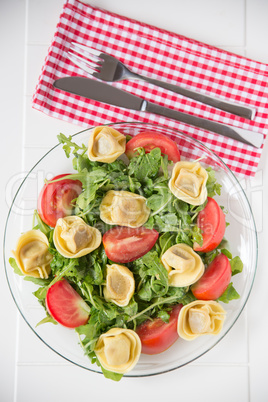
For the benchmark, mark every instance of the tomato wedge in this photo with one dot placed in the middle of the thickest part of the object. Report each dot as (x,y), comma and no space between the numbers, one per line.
(66,306)
(211,221)
(215,279)
(124,244)
(55,199)
(150,140)
(157,336)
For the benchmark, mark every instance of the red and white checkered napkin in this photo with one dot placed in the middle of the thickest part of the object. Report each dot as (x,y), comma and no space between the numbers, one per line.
(163,55)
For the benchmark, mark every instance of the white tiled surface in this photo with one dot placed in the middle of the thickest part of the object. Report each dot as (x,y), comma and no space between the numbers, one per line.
(236,369)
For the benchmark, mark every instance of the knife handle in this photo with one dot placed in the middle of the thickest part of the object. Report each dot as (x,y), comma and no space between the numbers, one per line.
(239,110)
(246,136)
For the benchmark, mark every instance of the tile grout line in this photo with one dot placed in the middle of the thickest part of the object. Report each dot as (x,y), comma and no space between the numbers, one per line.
(25,83)
(246,315)
(248,353)
(16,356)
(245,26)
(22,168)
(49,364)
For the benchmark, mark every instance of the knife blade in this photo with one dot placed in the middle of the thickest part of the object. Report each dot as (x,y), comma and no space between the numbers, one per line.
(105,93)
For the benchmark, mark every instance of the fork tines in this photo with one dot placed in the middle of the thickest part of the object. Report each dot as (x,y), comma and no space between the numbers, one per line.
(85,57)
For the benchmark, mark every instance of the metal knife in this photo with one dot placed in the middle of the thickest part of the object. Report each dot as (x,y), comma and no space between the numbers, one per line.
(105,93)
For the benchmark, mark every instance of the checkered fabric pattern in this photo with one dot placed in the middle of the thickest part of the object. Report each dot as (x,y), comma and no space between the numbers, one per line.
(163,55)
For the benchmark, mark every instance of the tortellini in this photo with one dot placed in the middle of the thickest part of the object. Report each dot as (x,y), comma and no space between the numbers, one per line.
(124,208)
(200,317)
(74,238)
(106,144)
(188,182)
(32,255)
(118,350)
(183,264)
(120,285)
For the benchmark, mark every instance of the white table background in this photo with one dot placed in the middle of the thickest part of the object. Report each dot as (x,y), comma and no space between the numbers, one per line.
(236,369)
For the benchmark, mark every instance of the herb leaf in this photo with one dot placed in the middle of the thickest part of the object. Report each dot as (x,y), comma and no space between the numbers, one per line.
(144,166)
(213,187)
(229,294)
(236,265)
(69,146)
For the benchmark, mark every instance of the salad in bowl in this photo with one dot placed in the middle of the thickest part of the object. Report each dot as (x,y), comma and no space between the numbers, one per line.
(130,251)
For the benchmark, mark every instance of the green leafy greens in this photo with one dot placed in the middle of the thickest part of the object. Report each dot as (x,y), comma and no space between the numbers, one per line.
(146,174)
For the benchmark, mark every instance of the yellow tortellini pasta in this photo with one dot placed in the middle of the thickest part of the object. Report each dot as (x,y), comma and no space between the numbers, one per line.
(73,238)
(183,264)
(200,317)
(106,144)
(188,182)
(118,350)
(124,208)
(120,285)
(32,255)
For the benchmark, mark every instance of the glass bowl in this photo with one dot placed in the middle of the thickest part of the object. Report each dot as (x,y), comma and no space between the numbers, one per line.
(241,234)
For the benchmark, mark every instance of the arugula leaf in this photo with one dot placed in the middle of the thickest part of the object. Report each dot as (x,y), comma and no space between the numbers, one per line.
(144,165)
(14,265)
(82,163)
(196,235)
(182,295)
(154,277)
(226,252)
(166,240)
(236,265)
(111,375)
(161,226)
(164,165)
(132,308)
(40,293)
(163,314)
(42,226)
(37,281)
(70,146)
(157,202)
(229,294)
(213,187)
(94,183)
(46,320)
(90,333)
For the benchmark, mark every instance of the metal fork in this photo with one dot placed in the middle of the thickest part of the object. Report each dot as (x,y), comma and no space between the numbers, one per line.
(108,68)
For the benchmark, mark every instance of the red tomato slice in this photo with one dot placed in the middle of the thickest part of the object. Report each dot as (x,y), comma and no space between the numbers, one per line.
(157,336)
(66,306)
(215,279)
(55,199)
(211,221)
(124,244)
(150,140)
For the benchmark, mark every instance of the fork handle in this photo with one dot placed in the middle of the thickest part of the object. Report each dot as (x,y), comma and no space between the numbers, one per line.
(239,110)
